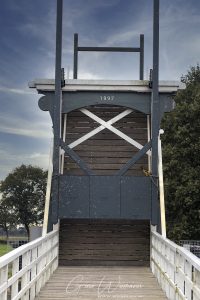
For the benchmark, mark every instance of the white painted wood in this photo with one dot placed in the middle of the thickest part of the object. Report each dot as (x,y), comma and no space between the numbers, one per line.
(64,138)
(39,258)
(15,270)
(161,187)
(48,192)
(25,277)
(176,268)
(3,281)
(107,85)
(114,130)
(100,128)
(149,138)
(33,274)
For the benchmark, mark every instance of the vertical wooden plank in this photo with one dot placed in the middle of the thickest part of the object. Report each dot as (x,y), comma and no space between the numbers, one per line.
(48,194)
(148,139)
(25,277)
(188,278)
(38,285)
(64,139)
(161,187)
(196,279)
(4,279)
(15,269)
(33,274)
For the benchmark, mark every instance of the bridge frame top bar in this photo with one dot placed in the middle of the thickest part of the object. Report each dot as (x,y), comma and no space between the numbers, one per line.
(140,50)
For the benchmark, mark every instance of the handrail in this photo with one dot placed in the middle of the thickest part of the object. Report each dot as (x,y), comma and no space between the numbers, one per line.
(177,269)
(26,269)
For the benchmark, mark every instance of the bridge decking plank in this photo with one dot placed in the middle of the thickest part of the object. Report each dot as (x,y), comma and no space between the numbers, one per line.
(126,283)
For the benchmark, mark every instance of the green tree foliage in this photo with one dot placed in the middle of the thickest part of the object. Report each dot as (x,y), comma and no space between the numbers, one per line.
(181,158)
(24,191)
(7,217)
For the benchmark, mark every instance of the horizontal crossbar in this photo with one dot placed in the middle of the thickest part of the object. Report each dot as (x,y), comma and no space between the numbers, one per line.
(110,49)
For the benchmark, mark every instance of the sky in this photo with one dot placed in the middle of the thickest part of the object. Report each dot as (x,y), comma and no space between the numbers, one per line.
(27,51)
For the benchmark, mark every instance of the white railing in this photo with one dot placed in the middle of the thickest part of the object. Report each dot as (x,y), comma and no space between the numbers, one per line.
(25,270)
(177,269)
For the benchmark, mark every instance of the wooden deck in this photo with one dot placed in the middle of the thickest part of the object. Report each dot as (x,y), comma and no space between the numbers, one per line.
(89,283)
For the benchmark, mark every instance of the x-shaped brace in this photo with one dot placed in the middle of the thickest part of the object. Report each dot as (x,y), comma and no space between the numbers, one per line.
(107,125)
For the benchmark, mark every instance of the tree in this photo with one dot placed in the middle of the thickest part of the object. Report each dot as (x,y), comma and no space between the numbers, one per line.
(7,217)
(181,158)
(24,190)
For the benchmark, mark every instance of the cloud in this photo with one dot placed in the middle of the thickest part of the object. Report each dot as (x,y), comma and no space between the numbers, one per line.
(10,160)
(15,91)
(13,124)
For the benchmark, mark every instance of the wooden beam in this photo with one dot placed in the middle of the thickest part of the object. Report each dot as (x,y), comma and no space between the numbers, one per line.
(98,129)
(76,158)
(113,129)
(134,159)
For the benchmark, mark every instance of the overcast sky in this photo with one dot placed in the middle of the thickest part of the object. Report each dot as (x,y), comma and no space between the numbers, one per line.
(27,51)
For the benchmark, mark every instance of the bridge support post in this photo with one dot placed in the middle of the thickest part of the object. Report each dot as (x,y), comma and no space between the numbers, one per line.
(155,115)
(57,114)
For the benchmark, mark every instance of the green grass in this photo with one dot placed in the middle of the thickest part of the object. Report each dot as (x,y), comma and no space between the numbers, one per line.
(13,238)
(5,249)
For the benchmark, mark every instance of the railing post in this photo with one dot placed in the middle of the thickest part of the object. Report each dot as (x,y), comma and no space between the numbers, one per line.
(15,270)
(161,187)
(25,277)
(3,279)
(33,274)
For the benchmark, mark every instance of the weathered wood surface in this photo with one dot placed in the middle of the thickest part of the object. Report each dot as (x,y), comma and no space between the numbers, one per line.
(106,152)
(91,283)
(104,242)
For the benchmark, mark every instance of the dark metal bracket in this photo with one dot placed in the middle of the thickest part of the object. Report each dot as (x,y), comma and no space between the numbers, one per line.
(140,49)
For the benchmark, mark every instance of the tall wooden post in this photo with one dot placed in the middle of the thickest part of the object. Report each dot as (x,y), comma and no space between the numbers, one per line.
(75,56)
(57,113)
(155,115)
(141,56)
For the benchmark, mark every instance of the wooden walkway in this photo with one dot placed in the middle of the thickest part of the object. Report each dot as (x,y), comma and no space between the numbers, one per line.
(89,283)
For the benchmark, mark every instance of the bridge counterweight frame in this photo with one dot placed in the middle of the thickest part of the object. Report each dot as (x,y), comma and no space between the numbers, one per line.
(140,50)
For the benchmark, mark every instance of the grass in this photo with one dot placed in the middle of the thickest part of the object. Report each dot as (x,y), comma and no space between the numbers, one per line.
(13,238)
(4,248)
